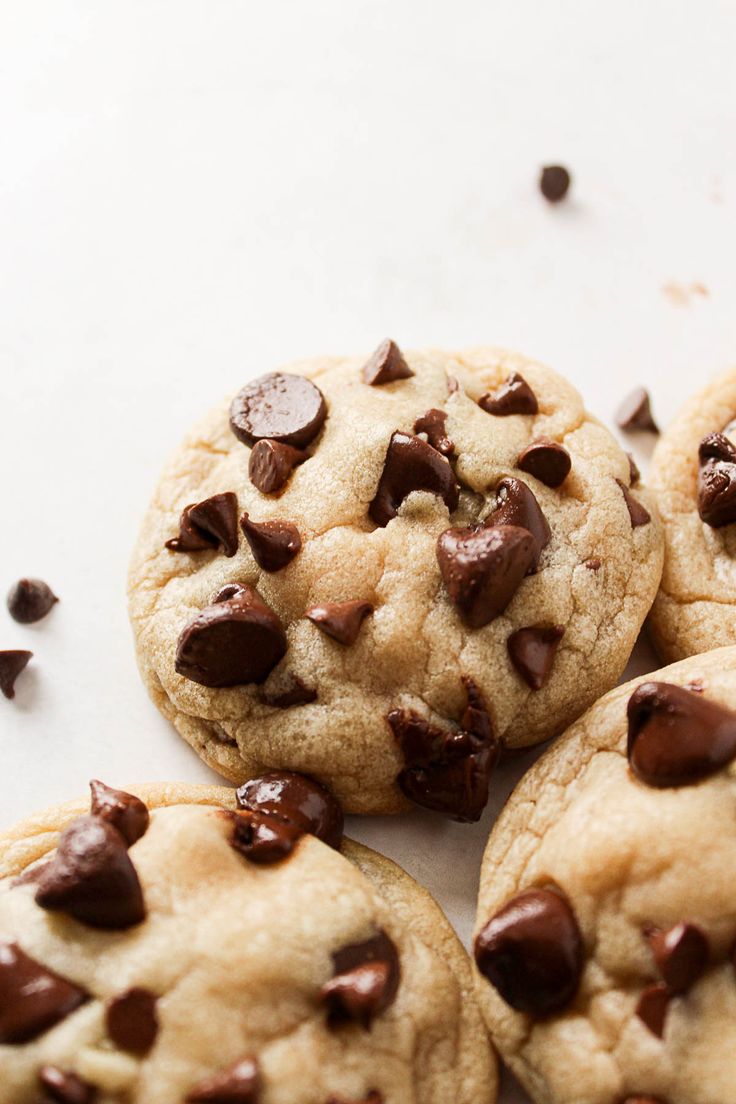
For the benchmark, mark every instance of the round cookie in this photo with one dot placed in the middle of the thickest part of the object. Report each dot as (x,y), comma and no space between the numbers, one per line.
(181,947)
(448,558)
(607,914)
(693,473)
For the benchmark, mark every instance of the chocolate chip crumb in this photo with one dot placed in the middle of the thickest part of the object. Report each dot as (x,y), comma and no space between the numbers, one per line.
(12,662)
(29,600)
(554,182)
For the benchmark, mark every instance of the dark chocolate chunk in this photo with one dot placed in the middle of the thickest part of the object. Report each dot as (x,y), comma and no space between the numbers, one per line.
(532,651)
(365,981)
(291,692)
(681,954)
(634,473)
(280,407)
(515,396)
(274,544)
(635,412)
(30,600)
(64,1087)
(547,461)
(483,569)
(207,524)
(385,365)
(340,620)
(271,463)
(294,798)
(190,538)
(131,1020)
(677,737)
(240,1084)
(531,951)
(264,839)
(32,998)
(124,811)
(91,877)
(236,640)
(652,1007)
(717,481)
(12,662)
(411,464)
(517,505)
(433,423)
(554,182)
(638,514)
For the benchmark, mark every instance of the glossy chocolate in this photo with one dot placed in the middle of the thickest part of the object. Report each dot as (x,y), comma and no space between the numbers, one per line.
(717,480)
(274,544)
(515,396)
(279,407)
(124,811)
(547,461)
(482,569)
(411,464)
(516,504)
(365,981)
(340,620)
(207,525)
(32,998)
(681,954)
(296,799)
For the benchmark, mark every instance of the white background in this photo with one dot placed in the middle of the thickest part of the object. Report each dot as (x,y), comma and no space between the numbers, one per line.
(193,193)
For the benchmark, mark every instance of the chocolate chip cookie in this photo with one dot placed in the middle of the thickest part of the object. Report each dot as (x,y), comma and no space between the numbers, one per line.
(606,925)
(193,944)
(382,572)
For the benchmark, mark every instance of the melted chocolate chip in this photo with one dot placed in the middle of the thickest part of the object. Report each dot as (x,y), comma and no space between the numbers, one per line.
(190,538)
(271,463)
(274,544)
(295,799)
(677,737)
(292,691)
(532,652)
(483,569)
(236,640)
(340,620)
(517,505)
(32,998)
(634,473)
(385,365)
(281,407)
(515,396)
(717,481)
(652,1007)
(264,839)
(547,461)
(207,524)
(411,464)
(433,423)
(635,412)
(637,513)
(681,954)
(131,1020)
(30,600)
(91,877)
(12,662)
(240,1084)
(554,182)
(531,951)
(124,811)
(64,1087)
(365,981)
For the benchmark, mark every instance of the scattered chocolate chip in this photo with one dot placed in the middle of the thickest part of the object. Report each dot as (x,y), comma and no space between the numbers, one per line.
(531,951)
(124,811)
(12,662)
(554,182)
(274,544)
(681,954)
(547,461)
(207,524)
(32,998)
(637,513)
(64,1087)
(131,1020)
(634,473)
(292,797)
(365,981)
(635,412)
(30,600)
(291,692)
(593,564)
(340,620)
(515,396)
(717,481)
(433,423)
(281,407)
(411,464)
(652,1007)
(676,737)
(271,463)
(483,569)
(240,1084)
(91,877)
(385,365)
(236,640)
(532,651)
(517,505)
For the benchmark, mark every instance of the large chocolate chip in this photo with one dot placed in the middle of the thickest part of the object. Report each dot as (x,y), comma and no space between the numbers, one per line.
(12,662)
(364,983)
(554,182)
(635,412)
(411,464)
(717,481)
(271,463)
(294,798)
(517,505)
(207,524)
(290,692)
(483,569)
(30,600)
(274,544)
(190,538)
(340,620)
(531,951)
(637,513)
(131,1020)
(124,811)
(515,396)
(434,423)
(239,1084)
(677,737)
(547,461)
(279,406)
(385,365)
(532,651)
(681,954)
(652,1007)
(91,877)
(264,839)
(32,998)
(236,640)
(64,1087)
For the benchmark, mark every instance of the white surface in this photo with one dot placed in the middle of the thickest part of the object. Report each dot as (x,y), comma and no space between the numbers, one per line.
(192,193)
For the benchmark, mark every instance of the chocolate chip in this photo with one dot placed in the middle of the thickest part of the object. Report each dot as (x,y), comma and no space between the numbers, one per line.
(677,737)
(32,998)
(681,954)
(124,811)
(300,801)
(532,651)
(340,620)
(385,365)
(531,951)
(635,412)
(433,423)
(547,461)
(207,524)
(64,1087)
(483,569)
(652,1007)
(131,1020)
(274,544)
(279,406)
(264,839)
(365,981)
(517,505)
(717,481)
(411,464)
(30,600)
(637,513)
(240,1084)
(236,640)
(515,396)
(593,564)
(12,662)
(91,877)
(271,463)
(292,691)
(634,473)
(190,538)
(372,1097)
(554,182)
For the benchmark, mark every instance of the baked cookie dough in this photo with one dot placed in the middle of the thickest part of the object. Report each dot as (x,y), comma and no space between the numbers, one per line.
(187,945)
(438,555)
(694,476)
(607,909)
